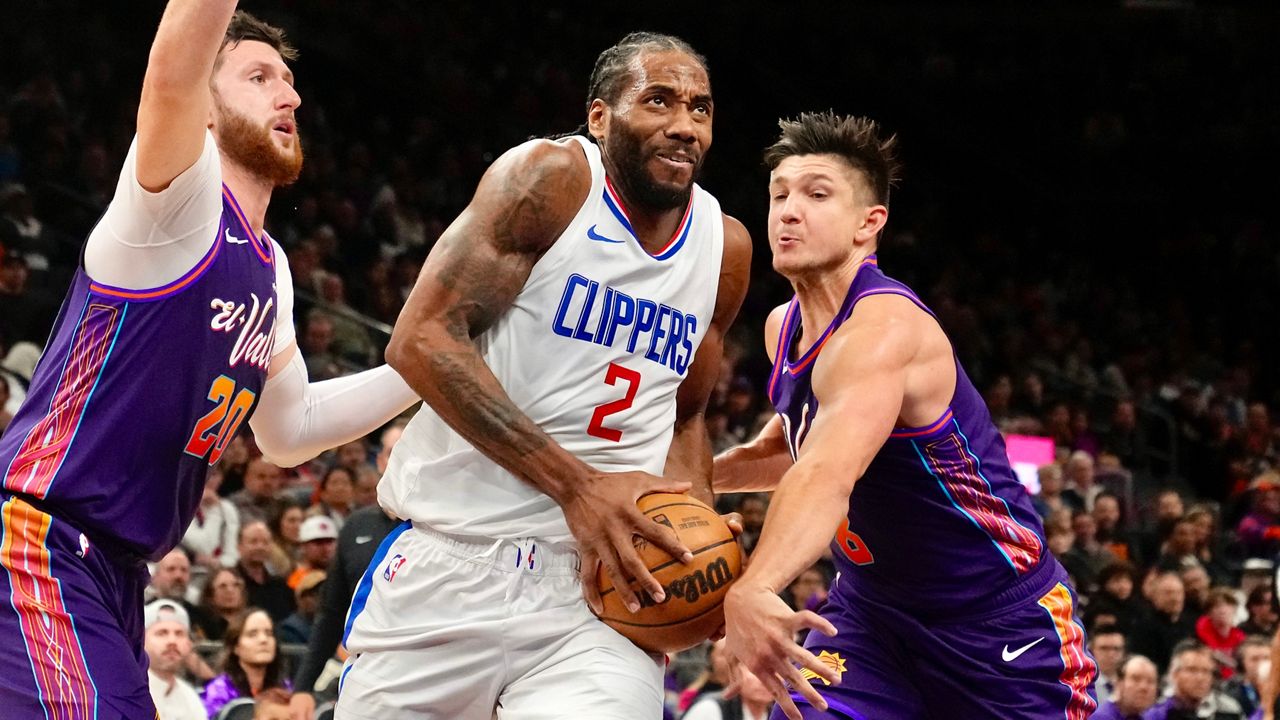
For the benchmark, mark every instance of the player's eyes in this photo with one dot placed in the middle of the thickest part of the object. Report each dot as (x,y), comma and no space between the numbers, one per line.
(657,100)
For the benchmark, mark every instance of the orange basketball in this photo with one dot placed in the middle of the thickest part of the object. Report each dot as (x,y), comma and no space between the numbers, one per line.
(694,606)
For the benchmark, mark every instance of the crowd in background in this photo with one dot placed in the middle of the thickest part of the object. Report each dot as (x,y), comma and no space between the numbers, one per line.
(1067,211)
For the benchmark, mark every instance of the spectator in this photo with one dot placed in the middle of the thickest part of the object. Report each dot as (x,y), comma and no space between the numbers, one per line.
(1115,594)
(1262,615)
(1179,548)
(334,495)
(1125,438)
(1107,645)
(752,507)
(1252,656)
(316,343)
(1081,477)
(285,529)
(250,664)
(1168,510)
(1092,555)
(1135,691)
(171,578)
(1196,582)
(1217,631)
(808,590)
(1167,623)
(366,489)
(353,456)
(167,642)
(1260,529)
(259,499)
(211,536)
(318,540)
(221,602)
(1191,679)
(710,682)
(296,628)
(357,542)
(264,590)
(1052,497)
(1110,530)
(1209,548)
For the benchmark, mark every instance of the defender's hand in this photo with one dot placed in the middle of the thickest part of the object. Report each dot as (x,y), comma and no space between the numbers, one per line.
(604,519)
(759,631)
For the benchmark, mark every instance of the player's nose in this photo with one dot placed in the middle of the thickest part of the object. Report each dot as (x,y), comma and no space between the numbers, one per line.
(682,126)
(288,98)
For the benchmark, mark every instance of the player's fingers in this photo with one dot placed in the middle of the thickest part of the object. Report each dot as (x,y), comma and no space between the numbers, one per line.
(619,579)
(635,567)
(661,536)
(656,484)
(799,684)
(779,692)
(808,660)
(587,573)
(814,621)
(734,521)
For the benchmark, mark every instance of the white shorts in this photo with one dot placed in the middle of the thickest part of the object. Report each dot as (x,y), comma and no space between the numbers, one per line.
(452,629)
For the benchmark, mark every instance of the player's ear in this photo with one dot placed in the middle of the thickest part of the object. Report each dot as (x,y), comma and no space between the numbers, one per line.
(598,118)
(873,222)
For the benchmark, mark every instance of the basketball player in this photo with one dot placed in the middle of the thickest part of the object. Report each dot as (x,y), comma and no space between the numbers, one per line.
(177,325)
(947,603)
(566,333)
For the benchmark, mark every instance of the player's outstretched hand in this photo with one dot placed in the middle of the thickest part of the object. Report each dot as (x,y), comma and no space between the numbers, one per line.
(760,631)
(604,519)
(302,706)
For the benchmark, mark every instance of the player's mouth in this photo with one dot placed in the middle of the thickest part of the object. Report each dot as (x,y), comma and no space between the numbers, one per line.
(677,159)
(285,127)
(788,240)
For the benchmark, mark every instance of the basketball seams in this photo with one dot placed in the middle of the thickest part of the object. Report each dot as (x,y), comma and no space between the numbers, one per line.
(673,623)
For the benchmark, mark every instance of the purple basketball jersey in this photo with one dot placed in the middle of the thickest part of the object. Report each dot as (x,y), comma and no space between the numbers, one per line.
(939,524)
(139,391)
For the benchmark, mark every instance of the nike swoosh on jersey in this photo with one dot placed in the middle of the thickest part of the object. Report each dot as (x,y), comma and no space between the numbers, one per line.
(591,233)
(234,240)
(1011,656)
(362,539)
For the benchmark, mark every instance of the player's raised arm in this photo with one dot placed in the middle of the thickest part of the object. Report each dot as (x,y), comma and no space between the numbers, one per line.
(174,109)
(522,204)
(690,454)
(861,376)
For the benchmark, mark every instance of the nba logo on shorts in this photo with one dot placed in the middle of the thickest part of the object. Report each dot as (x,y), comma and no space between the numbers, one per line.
(390,573)
(84,546)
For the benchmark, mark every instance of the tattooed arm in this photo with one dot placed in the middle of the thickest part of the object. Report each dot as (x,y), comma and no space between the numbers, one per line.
(479,265)
(690,454)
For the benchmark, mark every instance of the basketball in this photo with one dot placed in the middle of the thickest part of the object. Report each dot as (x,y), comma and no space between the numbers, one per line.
(694,606)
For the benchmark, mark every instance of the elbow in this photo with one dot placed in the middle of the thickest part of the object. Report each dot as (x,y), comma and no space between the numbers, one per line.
(397,352)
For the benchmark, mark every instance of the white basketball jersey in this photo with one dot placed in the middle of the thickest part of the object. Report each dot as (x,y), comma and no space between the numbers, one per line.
(592,350)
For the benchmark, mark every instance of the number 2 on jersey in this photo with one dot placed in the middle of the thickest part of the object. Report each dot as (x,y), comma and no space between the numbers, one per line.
(219,425)
(612,375)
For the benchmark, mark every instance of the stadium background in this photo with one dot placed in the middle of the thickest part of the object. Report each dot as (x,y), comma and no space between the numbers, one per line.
(1089,192)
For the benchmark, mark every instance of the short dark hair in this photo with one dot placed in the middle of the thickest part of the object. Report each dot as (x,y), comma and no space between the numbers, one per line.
(856,140)
(246,26)
(613,65)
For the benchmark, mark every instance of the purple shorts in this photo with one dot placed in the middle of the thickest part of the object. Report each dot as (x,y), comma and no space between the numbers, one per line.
(1025,661)
(72,621)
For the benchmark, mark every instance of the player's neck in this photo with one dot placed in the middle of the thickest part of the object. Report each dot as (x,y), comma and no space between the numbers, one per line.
(251,191)
(821,294)
(653,228)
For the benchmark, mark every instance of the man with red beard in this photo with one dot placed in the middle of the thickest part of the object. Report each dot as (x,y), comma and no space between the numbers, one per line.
(176,329)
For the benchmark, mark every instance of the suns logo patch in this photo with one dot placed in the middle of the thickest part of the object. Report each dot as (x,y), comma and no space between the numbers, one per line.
(831,660)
